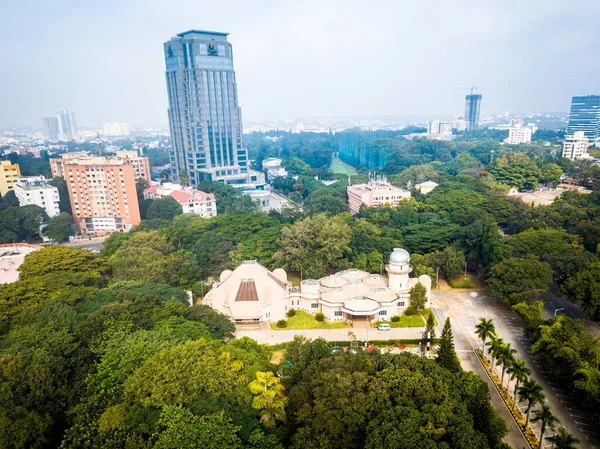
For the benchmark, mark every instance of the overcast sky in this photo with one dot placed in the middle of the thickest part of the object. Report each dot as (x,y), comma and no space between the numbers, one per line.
(309,58)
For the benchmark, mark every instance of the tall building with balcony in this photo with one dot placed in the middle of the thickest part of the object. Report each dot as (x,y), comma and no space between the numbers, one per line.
(204,114)
(35,190)
(51,128)
(102,193)
(519,134)
(472,111)
(585,116)
(575,146)
(9,173)
(192,201)
(67,125)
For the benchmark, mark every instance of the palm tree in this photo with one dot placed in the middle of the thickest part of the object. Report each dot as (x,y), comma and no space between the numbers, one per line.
(519,372)
(506,356)
(484,329)
(563,440)
(494,346)
(545,416)
(534,393)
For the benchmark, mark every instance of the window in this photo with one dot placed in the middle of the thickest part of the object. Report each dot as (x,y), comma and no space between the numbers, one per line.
(383,312)
(314,305)
(337,313)
(401,304)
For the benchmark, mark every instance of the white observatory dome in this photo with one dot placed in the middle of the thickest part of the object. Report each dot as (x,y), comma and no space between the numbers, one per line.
(399,257)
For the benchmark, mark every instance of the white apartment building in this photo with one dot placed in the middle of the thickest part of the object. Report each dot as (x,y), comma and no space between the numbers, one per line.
(35,190)
(518,134)
(439,127)
(575,146)
(273,168)
(460,124)
(116,129)
(192,201)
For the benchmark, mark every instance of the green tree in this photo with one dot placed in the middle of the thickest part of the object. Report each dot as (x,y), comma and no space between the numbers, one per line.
(494,348)
(550,174)
(516,170)
(447,355)
(297,166)
(418,297)
(584,287)
(533,393)
(563,440)
(269,398)
(484,330)
(64,204)
(451,260)
(184,177)
(545,416)
(430,326)
(60,227)
(165,208)
(219,325)
(506,357)
(519,279)
(518,372)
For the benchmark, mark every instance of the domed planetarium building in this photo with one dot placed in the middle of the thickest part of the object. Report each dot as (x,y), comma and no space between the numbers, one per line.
(251,293)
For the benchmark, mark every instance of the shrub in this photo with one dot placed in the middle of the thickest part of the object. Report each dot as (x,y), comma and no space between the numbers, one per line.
(411,310)
(395,319)
(320,317)
(282,323)
(291,313)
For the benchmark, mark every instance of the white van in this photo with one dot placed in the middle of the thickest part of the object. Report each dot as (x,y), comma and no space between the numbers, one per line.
(384,327)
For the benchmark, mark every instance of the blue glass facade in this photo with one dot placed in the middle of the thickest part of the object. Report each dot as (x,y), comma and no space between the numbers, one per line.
(355,150)
(204,115)
(472,111)
(585,116)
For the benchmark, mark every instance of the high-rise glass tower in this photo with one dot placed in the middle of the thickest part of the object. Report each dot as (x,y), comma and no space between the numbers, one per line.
(51,128)
(204,115)
(67,125)
(585,116)
(472,105)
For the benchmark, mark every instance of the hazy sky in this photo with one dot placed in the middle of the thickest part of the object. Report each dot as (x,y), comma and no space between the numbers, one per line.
(104,59)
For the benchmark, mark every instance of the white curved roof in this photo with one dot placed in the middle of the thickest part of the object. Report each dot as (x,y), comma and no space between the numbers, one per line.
(399,256)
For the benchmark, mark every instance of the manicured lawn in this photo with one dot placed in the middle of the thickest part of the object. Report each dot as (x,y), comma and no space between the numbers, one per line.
(426,313)
(298,321)
(338,166)
(469,282)
(410,320)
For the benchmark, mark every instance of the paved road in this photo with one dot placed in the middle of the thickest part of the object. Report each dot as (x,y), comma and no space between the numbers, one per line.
(465,308)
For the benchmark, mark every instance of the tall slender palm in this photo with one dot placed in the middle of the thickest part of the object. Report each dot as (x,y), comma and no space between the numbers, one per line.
(506,355)
(532,392)
(518,371)
(545,416)
(494,346)
(484,329)
(563,440)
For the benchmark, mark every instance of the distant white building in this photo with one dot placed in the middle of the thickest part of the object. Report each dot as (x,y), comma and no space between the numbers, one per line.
(439,127)
(116,129)
(36,190)
(268,200)
(518,134)
(273,168)
(192,201)
(575,146)
(460,124)
(426,187)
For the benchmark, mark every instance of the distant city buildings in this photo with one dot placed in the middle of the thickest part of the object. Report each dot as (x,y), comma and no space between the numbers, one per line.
(356,150)
(103,194)
(460,124)
(585,117)
(439,127)
(518,134)
(35,190)
(140,164)
(192,201)
(9,173)
(116,129)
(375,193)
(472,111)
(67,125)
(575,146)
(204,114)
(51,128)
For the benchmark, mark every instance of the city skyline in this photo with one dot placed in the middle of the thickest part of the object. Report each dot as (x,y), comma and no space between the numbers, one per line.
(344,59)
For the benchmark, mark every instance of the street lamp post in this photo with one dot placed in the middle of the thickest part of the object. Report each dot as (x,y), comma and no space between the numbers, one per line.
(558,310)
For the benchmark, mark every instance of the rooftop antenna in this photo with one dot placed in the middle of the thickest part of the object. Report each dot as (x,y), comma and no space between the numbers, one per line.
(99,144)
(471,88)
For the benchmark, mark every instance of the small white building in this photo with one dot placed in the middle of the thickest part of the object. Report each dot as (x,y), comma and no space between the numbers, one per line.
(268,200)
(518,134)
(36,190)
(273,168)
(576,146)
(426,187)
(252,293)
(439,127)
(192,201)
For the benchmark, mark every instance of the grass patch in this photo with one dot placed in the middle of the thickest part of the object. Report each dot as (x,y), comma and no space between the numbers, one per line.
(301,319)
(405,321)
(426,313)
(338,166)
(294,278)
(468,282)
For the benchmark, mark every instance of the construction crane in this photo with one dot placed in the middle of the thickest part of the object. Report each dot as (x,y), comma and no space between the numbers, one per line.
(471,88)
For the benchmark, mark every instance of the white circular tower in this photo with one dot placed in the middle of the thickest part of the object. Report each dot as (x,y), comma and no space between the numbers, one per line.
(398,269)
